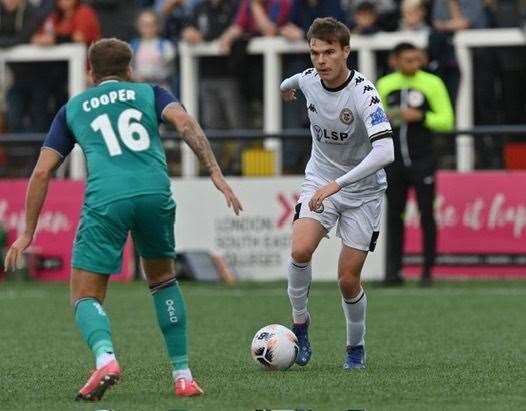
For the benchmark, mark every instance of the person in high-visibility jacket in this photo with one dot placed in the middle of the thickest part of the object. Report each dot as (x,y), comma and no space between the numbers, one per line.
(418,105)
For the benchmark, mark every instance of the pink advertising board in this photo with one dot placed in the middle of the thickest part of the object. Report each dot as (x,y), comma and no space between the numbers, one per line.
(481,221)
(49,257)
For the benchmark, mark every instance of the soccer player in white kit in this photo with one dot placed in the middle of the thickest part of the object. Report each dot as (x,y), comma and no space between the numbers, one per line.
(344,180)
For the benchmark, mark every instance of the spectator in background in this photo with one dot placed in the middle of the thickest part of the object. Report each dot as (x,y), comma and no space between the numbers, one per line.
(27,96)
(448,17)
(386,10)
(256,18)
(253,18)
(153,55)
(522,9)
(511,63)
(220,94)
(115,17)
(413,16)
(417,104)
(304,12)
(145,4)
(365,19)
(71,21)
(222,105)
(176,14)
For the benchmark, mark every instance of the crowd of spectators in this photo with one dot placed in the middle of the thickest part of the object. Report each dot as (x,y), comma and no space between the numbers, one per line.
(230,86)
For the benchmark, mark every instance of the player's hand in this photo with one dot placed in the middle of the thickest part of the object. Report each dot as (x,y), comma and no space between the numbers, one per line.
(43,39)
(231,199)
(411,115)
(292,32)
(328,190)
(289,95)
(15,251)
(225,43)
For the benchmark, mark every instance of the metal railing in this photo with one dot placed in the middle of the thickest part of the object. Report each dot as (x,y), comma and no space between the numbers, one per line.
(31,143)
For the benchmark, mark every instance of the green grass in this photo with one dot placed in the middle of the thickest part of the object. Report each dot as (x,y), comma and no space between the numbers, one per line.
(457,346)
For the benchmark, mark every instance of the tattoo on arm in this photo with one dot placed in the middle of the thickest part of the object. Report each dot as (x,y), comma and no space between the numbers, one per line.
(194,136)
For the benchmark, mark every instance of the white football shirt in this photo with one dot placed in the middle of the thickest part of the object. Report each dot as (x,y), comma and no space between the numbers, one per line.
(344,122)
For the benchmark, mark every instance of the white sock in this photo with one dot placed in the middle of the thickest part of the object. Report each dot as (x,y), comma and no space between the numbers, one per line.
(184,373)
(355,309)
(104,359)
(300,275)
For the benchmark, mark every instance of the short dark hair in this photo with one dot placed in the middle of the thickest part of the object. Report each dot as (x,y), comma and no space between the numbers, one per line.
(367,7)
(110,57)
(330,30)
(400,47)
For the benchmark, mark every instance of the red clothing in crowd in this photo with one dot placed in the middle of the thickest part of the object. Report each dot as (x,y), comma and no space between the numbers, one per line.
(277,11)
(83,21)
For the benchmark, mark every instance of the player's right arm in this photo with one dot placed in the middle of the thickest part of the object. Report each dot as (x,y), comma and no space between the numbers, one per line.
(289,86)
(57,145)
(192,133)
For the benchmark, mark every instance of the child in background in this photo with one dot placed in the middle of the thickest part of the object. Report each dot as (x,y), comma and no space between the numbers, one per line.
(365,19)
(413,16)
(153,55)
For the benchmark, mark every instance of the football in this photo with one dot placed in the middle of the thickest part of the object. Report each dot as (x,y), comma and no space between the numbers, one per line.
(274,347)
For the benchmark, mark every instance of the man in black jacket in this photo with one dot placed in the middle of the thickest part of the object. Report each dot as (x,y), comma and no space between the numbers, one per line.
(19,20)
(417,104)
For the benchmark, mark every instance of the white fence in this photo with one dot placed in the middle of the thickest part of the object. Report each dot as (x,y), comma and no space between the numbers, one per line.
(75,55)
(272,50)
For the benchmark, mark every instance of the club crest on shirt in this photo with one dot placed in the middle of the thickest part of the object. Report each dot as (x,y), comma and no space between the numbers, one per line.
(415,98)
(346,116)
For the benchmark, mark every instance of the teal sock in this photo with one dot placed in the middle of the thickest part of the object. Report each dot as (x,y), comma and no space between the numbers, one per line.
(171,314)
(94,326)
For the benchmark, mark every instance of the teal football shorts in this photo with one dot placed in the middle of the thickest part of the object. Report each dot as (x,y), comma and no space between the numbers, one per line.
(103,231)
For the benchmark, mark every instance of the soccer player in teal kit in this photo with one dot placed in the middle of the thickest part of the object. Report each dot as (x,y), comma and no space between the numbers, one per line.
(128,189)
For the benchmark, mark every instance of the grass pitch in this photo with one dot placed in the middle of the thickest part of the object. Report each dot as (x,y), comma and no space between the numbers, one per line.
(456,346)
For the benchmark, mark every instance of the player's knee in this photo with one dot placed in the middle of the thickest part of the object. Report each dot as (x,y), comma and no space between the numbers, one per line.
(349,285)
(301,254)
(157,278)
(82,294)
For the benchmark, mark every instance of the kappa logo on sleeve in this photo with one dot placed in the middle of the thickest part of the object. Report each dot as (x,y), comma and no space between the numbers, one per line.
(374,100)
(378,117)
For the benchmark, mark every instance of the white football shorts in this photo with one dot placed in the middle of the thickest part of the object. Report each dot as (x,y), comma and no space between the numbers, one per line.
(358,223)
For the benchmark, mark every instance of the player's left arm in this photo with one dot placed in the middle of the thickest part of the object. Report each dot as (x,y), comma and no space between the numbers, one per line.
(381,155)
(171,111)
(57,145)
(372,114)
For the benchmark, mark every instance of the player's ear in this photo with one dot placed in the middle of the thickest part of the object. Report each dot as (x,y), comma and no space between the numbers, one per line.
(129,73)
(347,51)
(92,76)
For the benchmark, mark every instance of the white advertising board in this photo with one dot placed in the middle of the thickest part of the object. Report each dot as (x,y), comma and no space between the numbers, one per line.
(256,244)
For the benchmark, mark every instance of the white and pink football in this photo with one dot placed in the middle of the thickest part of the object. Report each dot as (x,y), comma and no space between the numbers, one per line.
(274,347)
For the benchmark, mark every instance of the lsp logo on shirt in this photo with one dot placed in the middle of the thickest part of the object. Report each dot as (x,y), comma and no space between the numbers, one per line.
(330,136)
